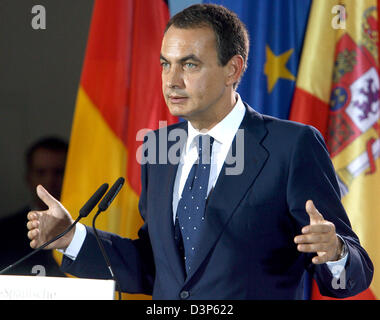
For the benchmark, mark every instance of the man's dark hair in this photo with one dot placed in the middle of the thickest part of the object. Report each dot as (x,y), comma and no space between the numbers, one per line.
(50,143)
(230,32)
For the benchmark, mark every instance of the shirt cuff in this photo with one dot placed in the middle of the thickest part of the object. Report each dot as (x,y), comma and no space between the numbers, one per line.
(336,267)
(76,243)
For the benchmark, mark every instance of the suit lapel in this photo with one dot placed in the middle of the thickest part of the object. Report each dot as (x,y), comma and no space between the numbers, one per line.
(231,188)
(164,216)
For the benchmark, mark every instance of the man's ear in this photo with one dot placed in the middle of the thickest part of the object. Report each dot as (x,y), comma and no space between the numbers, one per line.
(234,69)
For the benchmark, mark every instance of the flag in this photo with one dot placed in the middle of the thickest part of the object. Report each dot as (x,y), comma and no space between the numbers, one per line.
(276,29)
(337,91)
(119,94)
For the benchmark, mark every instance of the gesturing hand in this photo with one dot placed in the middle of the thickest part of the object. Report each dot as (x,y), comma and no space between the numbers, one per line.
(45,225)
(319,236)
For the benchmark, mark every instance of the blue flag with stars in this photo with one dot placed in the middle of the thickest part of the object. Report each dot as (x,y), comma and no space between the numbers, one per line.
(276,29)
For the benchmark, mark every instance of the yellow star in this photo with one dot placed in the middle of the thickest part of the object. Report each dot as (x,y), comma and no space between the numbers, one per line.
(275,67)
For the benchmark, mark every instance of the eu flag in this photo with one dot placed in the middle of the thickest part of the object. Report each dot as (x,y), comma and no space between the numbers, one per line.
(277,29)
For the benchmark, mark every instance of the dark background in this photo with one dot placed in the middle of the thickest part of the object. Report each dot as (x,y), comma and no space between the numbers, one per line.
(39,78)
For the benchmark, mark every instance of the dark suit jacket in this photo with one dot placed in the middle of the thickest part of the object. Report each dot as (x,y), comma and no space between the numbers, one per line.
(247,249)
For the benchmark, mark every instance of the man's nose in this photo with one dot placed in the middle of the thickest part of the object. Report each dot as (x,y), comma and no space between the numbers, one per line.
(175,78)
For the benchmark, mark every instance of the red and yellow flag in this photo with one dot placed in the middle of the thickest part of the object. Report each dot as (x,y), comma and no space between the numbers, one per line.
(337,91)
(119,94)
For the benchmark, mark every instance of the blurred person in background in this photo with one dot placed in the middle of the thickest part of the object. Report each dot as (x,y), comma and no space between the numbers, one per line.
(45,164)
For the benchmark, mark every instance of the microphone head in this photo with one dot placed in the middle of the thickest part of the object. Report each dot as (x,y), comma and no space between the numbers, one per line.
(111,194)
(93,201)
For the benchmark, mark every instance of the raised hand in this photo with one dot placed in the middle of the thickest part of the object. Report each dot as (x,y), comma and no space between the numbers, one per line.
(319,236)
(45,225)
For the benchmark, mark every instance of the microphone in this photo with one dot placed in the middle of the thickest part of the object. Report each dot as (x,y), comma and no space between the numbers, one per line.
(83,212)
(93,201)
(103,205)
(111,194)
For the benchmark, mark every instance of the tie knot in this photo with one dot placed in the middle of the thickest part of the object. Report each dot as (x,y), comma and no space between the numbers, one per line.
(204,144)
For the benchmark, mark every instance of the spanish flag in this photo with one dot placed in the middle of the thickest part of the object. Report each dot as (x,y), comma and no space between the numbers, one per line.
(337,91)
(119,95)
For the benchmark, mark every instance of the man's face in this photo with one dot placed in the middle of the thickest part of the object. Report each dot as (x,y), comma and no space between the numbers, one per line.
(47,168)
(193,81)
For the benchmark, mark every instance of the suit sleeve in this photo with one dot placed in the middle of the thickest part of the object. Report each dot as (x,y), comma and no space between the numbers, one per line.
(131,260)
(312,176)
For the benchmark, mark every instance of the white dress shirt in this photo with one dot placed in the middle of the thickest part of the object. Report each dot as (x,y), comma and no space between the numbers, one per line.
(223,134)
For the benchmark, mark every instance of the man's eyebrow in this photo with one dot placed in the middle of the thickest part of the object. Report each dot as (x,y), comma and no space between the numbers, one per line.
(190,57)
(185,58)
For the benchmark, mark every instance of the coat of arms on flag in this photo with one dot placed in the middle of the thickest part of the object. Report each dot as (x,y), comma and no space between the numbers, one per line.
(354,108)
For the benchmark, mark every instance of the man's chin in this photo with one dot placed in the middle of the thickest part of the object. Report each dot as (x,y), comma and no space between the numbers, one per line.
(177,111)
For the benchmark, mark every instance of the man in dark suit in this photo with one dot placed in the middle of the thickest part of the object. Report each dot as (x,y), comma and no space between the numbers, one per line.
(229,216)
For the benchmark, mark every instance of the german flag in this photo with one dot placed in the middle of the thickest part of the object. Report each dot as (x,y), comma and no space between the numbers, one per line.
(119,95)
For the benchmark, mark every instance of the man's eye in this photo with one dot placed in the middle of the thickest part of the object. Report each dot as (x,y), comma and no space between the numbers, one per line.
(164,65)
(190,65)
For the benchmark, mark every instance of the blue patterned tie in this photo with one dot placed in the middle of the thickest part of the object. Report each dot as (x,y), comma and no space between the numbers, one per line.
(192,204)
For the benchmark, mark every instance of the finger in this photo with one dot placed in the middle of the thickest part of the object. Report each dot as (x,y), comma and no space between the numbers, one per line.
(311,238)
(32,224)
(32,215)
(45,196)
(322,258)
(318,228)
(33,234)
(313,213)
(313,247)
(33,244)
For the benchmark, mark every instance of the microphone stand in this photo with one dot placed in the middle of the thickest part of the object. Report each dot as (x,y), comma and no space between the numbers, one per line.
(105,256)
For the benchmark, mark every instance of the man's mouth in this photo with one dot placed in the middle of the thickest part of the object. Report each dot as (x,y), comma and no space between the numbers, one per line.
(176,99)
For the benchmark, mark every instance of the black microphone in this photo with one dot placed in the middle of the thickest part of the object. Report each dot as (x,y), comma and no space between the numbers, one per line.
(83,212)
(111,194)
(103,205)
(93,201)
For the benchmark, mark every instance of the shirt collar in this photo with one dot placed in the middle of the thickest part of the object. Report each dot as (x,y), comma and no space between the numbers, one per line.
(224,131)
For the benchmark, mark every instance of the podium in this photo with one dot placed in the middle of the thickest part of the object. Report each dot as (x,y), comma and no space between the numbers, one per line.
(55,288)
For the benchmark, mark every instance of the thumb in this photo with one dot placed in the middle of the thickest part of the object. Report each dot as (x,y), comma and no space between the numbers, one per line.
(314,214)
(45,196)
